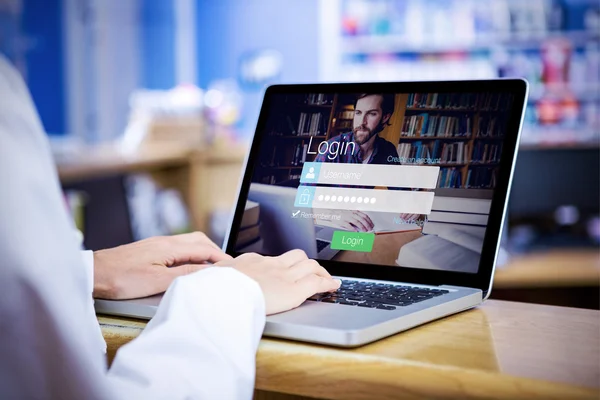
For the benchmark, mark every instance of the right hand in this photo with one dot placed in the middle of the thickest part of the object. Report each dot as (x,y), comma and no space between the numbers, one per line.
(350,220)
(287,280)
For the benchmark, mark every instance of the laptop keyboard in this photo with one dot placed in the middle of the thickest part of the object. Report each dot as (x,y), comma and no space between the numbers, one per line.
(377,295)
(321,244)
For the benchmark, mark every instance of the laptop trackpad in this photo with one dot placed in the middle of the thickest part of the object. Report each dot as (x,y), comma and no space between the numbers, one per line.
(333,316)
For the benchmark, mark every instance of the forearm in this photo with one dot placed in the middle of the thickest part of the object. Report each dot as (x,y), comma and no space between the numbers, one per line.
(202,341)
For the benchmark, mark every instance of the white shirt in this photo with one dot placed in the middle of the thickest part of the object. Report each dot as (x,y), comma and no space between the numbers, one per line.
(196,347)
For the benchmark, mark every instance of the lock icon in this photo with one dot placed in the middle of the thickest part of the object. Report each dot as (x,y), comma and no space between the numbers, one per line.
(304,197)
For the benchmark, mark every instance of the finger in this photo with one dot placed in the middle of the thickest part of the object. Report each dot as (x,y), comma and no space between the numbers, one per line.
(365,219)
(312,284)
(291,257)
(185,269)
(195,254)
(305,268)
(358,223)
(348,227)
(195,238)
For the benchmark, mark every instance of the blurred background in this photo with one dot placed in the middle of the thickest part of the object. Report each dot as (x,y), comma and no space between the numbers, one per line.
(150,106)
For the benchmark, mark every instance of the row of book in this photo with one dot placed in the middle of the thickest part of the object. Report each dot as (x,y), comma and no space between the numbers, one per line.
(442,100)
(486,152)
(491,126)
(318,99)
(346,114)
(299,154)
(447,153)
(436,126)
(477,178)
(482,178)
(310,124)
(345,124)
(460,101)
(450,178)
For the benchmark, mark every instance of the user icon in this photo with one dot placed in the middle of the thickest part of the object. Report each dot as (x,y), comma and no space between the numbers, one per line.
(311,173)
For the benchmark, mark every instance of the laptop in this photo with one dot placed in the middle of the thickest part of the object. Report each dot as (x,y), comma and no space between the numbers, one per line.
(408,181)
(276,205)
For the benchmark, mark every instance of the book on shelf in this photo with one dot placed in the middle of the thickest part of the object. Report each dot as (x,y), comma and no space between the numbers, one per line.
(449,178)
(490,126)
(450,101)
(481,177)
(311,124)
(318,99)
(486,152)
(345,124)
(459,101)
(290,125)
(426,125)
(299,154)
(346,114)
(448,153)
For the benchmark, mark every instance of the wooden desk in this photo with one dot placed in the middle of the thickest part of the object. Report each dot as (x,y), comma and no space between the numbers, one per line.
(501,350)
(206,177)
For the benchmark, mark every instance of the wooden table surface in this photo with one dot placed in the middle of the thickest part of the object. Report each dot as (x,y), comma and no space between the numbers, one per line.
(500,350)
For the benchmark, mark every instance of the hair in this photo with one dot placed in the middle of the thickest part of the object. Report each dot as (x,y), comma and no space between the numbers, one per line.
(388,102)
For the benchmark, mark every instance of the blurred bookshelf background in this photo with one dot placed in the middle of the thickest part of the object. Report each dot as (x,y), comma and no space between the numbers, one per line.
(554,44)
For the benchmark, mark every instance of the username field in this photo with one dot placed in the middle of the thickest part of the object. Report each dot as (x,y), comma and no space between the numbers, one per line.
(400,176)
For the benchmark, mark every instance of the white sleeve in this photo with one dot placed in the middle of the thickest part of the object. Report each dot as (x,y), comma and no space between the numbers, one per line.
(88,262)
(206,331)
(202,342)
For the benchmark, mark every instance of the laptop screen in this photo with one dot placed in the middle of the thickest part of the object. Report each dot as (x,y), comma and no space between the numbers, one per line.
(395,179)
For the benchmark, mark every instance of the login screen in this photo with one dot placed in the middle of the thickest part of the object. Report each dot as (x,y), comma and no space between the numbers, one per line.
(401,179)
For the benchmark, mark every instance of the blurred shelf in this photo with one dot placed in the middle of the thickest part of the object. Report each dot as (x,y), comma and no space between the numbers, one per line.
(372,44)
(581,91)
(554,137)
(558,146)
(107,160)
(573,268)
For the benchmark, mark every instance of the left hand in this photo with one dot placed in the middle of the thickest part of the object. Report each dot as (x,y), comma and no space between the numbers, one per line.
(149,266)
(409,218)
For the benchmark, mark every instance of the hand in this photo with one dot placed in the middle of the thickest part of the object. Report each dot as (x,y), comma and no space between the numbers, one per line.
(149,266)
(287,280)
(349,220)
(410,217)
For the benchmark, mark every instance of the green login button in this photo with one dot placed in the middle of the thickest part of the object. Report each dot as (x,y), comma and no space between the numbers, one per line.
(354,241)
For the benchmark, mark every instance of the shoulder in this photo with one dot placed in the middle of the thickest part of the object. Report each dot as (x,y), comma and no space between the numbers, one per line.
(386,144)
